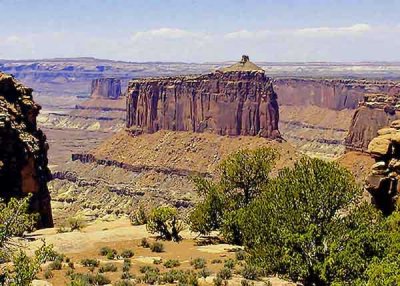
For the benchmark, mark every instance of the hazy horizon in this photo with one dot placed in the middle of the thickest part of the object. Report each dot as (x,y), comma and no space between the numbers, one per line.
(202,31)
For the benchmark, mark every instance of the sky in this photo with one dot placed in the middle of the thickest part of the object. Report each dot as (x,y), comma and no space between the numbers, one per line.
(201,31)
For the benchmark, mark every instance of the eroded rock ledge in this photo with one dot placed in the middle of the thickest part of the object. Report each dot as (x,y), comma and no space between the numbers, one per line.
(23,149)
(383,181)
(238,100)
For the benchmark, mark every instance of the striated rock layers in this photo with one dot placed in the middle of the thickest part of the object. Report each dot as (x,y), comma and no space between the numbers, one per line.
(23,149)
(237,100)
(383,181)
(109,88)
(375,111)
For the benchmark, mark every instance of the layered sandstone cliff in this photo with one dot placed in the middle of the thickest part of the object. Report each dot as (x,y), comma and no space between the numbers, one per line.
(23,149)
(239,100)
(109,88)
(376,110)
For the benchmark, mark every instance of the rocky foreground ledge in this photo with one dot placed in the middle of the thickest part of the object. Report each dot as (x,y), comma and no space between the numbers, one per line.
(23,149)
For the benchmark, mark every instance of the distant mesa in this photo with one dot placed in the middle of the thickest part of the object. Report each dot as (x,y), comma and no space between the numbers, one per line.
(237,100)
(109,88)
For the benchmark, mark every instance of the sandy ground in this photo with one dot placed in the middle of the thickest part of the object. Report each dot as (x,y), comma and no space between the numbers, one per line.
(121,235)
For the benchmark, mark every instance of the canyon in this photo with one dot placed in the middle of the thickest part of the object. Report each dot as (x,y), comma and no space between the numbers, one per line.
(113,106)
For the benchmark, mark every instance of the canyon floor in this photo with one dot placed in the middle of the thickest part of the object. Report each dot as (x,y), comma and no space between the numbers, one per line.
(121,235)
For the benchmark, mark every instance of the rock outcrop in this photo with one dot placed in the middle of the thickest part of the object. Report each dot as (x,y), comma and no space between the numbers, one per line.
(376,110)
(109,88)
(238,100)
(23,149)
(383,181)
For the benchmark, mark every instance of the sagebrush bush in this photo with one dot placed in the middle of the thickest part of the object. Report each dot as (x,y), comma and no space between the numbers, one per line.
(229,263)
(157,247)
(144,243)
(108,267)
(48,274)
(90,262)
(198,263)
(127,253)
(171,263)
(225,273)
(250,272)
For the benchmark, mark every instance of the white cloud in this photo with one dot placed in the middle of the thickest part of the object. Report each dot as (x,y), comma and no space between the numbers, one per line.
(334,31)
(167,33)
(351,43)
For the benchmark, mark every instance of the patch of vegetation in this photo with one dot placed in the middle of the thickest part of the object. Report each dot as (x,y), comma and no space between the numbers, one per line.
(198,263)
(216,261)
(225,273)
(90,262)
(124,283)
(204,273)
(250,272)
(144,243)
(230,263)
(140,216)
(242,177)
(157,261)
(157,247)
(79,279)
(55,265)
(127,253)
(171,263)
(164,222)
(48,274)
(108,267)
(240,255)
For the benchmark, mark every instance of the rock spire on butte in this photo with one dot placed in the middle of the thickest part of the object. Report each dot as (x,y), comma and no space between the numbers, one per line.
(236,100)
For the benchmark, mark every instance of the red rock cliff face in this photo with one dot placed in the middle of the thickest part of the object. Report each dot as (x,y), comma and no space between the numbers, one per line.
(336,94)
(23,149)
(226,103)
(109,88)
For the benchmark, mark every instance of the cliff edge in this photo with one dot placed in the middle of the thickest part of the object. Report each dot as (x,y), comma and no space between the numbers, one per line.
(23,149)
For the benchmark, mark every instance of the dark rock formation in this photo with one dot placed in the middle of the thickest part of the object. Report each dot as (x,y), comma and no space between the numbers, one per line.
(109,88)
(238,100)
(383,181)
(23,149)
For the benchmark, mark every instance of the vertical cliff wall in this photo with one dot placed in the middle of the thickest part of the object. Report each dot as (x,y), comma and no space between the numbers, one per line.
(231,102)
(109,88)
(23,149)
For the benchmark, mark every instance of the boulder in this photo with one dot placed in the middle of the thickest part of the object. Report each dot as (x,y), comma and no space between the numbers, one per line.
(380,146)
(395,124)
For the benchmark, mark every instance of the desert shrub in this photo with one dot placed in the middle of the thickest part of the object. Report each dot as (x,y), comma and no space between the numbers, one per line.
(250,272)
(111,255)
(229,263)
(139,217)
(298,226)
(147,268)
(79,279)
(157,247)
(76,223)
(88,262)
(204,273)
(71,265)
(157,261)
(225,273)
(171,263)
(144,243)
(55,265)
(240,255)
(48,274)
(198,263)
(106,250)
(216,261)
(164,222)
(108,267)
(245,282)
(127,253)
(124,283)
(218,281)
(126,266)
(126,275)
